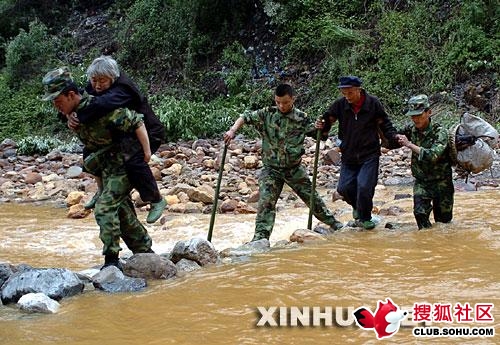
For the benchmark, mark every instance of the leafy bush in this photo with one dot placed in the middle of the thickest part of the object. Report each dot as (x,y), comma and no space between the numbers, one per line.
(472,44)
(185,119)
(409,54)
(314,29)
(37,145)
(155,34)
(237,67)
(28,54)
(313,38)
(42,145)
(195,51)
(22,112)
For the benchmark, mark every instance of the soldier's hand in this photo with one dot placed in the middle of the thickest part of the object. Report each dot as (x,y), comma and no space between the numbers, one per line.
(319,124)
(402,140)
(73,121)
(228,136)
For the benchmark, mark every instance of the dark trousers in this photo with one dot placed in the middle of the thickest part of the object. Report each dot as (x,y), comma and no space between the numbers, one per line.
(142,179)
(357,185)
(139,174)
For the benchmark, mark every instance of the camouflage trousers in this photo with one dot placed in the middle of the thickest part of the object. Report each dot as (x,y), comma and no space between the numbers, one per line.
(271,182)
(115,214)
(435,196)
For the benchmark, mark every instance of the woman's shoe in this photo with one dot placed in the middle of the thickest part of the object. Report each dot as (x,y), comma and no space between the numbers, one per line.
(156,210)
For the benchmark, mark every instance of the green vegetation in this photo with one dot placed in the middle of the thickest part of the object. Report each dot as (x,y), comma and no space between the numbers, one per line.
(27,54)
(185,119)
(42,145)
(204,62)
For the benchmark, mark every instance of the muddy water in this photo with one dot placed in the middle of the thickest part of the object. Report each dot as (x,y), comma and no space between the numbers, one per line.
(449,264)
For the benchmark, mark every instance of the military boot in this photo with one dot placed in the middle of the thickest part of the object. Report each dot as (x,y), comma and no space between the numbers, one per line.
(260,235)
(112,260)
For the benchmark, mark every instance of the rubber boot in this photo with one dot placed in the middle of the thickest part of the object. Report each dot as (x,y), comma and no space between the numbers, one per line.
(112,260)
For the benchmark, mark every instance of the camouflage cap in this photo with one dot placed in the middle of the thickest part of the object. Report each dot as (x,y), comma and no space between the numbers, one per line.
(417,105)
(56,81)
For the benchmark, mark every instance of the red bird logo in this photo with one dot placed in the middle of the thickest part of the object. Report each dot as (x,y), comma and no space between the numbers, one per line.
(386,320)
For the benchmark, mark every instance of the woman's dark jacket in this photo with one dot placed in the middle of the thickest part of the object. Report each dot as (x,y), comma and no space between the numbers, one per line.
(124,93)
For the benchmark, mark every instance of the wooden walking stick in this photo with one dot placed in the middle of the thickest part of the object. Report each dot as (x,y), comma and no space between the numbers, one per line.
(315,171)
(216,196)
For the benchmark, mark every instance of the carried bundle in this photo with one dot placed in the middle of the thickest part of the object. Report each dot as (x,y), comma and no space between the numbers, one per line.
(472,143)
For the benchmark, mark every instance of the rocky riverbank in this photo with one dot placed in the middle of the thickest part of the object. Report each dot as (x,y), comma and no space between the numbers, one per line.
(187,173)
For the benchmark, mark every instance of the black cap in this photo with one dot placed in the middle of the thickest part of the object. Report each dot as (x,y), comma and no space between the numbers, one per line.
(349,81)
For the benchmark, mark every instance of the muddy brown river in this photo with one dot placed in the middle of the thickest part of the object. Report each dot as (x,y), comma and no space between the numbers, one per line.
(457,263)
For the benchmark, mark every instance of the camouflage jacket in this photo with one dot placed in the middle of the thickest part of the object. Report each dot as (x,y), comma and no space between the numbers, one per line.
(433,163)
(109,129)
(282,135)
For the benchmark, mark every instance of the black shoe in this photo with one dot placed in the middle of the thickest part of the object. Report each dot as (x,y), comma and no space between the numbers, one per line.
(112,260)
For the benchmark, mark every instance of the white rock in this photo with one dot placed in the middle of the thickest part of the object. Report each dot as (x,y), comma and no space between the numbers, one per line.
(38,303)
(74,171)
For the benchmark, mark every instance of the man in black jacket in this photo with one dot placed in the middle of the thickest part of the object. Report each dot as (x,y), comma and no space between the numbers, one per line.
(361,119)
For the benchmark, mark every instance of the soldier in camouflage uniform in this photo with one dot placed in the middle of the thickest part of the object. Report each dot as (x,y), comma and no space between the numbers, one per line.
(283,129)
(430,164)
(114,211)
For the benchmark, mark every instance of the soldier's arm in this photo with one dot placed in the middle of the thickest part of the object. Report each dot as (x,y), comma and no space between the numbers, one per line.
(404,141)
(231,133)
(438,147)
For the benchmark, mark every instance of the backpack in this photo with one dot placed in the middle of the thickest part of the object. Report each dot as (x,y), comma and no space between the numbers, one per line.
(472,143)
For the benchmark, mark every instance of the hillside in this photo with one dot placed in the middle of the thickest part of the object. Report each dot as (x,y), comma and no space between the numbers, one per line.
(221,57)
(261,42)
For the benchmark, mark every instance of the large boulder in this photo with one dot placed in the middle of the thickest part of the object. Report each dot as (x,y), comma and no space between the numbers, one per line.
(204,194)
(111,279)
(305,235)
(196,249)
(6,270)
(185,265)
(248,249)
(149,265)
(56,283)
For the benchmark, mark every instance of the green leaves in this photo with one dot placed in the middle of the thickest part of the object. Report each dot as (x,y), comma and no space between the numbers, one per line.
(185,119)
(37,145)
(28,53)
